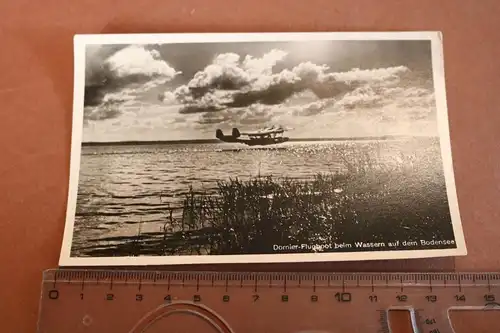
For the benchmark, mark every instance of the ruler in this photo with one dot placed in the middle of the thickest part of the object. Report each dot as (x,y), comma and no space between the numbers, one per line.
(127,301)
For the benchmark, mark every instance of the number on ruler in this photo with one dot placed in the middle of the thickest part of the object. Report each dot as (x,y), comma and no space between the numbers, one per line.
(489,298)
(431,298)
(54,294)
(343,297)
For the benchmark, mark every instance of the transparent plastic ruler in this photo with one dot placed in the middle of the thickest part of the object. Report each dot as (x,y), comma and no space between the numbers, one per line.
(104,301)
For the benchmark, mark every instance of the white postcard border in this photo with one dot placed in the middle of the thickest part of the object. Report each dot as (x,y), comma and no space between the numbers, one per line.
(80,43)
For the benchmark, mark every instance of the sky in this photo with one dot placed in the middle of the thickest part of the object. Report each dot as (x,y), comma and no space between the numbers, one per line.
(314,89)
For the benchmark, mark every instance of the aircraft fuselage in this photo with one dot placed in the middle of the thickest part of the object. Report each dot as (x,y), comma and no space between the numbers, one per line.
(255,139)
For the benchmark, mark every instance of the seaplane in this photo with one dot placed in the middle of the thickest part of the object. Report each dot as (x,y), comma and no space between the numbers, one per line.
(266,136)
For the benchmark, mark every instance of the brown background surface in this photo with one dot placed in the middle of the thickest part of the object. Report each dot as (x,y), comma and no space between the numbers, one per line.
(36,73)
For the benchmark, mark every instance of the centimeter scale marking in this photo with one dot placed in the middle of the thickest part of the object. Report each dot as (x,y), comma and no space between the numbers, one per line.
(347,302)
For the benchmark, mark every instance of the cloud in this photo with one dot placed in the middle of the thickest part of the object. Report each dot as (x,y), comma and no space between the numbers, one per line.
(223,74)
(136,61)
(252,92)
(117,75)
(256,115)
(313,108)
(249,90)
(210,102)
(390,74)
(140,121)
(251,80)
(263,65)
(308,94)
(362,97)
(102,112)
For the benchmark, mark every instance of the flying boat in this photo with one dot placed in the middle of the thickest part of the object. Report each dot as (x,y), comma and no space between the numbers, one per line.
(266,136)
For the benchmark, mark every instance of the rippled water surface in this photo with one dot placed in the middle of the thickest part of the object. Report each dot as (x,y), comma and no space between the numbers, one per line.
(123,188)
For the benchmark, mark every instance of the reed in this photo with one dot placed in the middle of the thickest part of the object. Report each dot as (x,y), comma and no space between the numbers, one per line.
(398,198)
(372,198)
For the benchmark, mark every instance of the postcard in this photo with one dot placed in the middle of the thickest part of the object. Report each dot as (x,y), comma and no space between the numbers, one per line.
(260,147)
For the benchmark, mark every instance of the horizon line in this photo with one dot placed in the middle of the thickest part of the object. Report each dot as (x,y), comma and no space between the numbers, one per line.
(192,141)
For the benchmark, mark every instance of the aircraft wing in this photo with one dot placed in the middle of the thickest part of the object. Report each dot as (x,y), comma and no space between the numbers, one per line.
(262,133)
(265,131)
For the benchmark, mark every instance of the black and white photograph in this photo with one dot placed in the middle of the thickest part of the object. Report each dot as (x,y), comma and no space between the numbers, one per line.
(260,147)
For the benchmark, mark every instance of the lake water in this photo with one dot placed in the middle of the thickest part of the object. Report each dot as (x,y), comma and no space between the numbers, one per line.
(124,188)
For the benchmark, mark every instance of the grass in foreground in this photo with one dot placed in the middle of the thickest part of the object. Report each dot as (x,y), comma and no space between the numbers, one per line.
(403,199)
